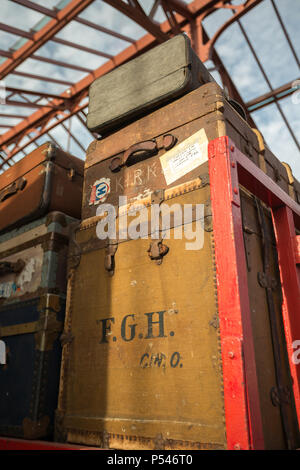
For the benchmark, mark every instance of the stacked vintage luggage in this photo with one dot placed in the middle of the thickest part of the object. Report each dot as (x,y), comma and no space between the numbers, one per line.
(40,198)
(142,366)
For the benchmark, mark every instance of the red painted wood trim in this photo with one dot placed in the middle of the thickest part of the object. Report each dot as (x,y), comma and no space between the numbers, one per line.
(286,216)
(297,248)
(241,396)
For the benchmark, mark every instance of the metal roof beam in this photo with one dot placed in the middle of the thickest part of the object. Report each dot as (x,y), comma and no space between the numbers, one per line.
(90,24)
(269,84)
(36,7)
(180,7)
(137,14)
(80,89)
(5,53)
(286,33)
(42,78)
(268,98)
(60,64)
(41,94)
(82,48)
(16,31)
(12,116)
(53,26)
(26,104)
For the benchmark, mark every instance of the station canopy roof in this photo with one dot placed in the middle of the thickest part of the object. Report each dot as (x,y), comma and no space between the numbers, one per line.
(51,51)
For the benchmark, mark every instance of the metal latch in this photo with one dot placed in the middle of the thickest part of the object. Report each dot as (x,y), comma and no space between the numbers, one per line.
(157,251)
(66,338)
(109,261)
(266,280)
(71,174)
(280,395)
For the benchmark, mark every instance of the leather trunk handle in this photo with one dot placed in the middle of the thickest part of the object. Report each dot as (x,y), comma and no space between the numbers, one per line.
(7,267)
(16,186)
(141,151)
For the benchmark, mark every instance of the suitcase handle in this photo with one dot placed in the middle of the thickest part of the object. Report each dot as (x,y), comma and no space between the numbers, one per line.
(141,151)
(7,267)
(16,186)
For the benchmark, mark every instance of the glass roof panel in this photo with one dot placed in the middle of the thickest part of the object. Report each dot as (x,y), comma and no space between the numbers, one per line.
(25,83)
(18,16)
(289,11)
(70,55)
(89,37)
(107,16)
(270,44)
(241,64)
(42,68)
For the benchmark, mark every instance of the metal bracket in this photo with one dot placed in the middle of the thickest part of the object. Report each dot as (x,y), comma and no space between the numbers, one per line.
(157,196)
(66,338)
(157,251)
(280,395)
(266,281)
(109,261)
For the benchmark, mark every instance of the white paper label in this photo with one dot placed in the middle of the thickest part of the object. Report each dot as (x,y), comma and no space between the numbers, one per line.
(185,157)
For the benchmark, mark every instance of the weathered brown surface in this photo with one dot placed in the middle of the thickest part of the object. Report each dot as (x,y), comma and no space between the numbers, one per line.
(274,435)
(128,384)
(39,183)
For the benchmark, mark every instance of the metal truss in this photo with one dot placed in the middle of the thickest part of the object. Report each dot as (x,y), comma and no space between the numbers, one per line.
(51,110)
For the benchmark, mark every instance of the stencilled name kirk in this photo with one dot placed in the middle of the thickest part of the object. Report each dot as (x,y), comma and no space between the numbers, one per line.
(138,177)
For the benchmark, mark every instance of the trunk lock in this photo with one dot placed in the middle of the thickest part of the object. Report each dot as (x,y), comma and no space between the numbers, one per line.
(157,250)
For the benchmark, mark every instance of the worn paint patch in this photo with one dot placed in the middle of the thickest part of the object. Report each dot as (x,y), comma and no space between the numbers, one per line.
(29,279)
(100,191)
(185,157)
(27,273)
(7,289)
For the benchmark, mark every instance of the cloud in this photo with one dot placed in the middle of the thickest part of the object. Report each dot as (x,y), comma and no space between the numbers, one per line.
(18,16)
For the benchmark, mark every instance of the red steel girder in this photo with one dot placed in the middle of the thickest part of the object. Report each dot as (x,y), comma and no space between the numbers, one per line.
(206,45)
(228,169)
(59,81)
(133,10)
(197,8)
(43,131)
(61,19)
(34,6)
(29,35)
(52,14)
(100,28)
(272,96)
(41,94)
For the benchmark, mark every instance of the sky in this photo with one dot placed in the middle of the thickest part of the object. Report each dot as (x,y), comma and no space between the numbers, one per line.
(260,24)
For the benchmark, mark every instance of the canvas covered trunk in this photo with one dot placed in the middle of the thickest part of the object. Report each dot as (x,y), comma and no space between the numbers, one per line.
(46,180)
(156,77)
(33,262)
(142,365)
